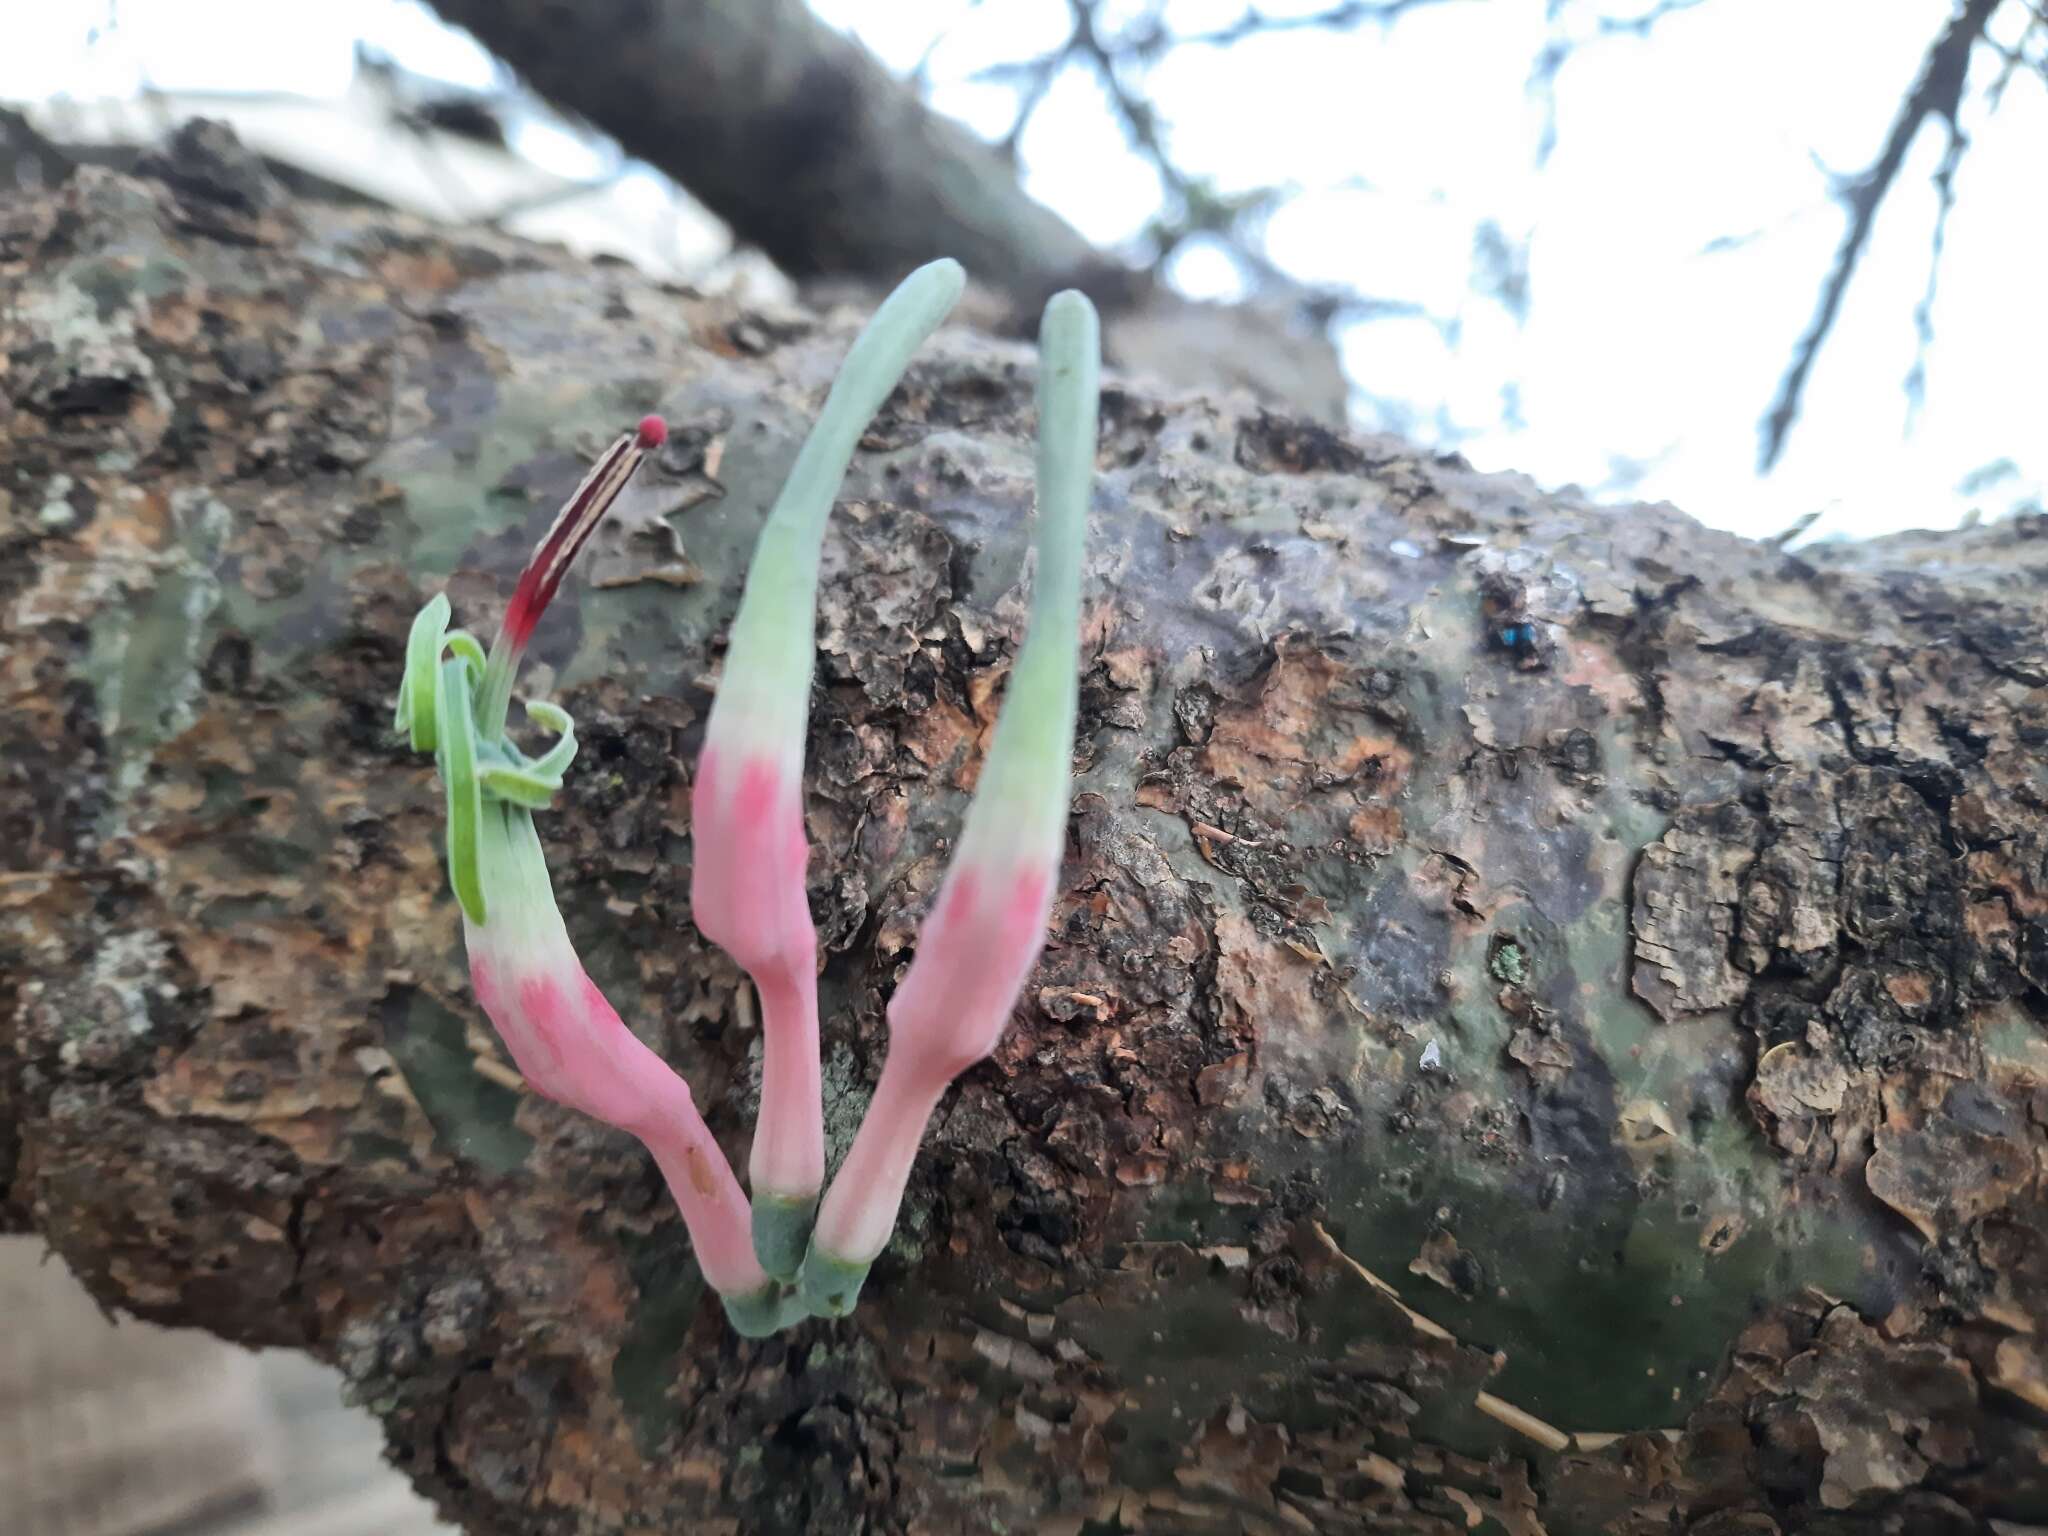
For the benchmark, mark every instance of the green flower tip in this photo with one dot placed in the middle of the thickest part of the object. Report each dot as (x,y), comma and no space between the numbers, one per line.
(773,645)
(782,1231)
(763,1313)
(831,1285)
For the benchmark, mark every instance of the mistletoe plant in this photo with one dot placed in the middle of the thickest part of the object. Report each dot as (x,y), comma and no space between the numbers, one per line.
(975,951)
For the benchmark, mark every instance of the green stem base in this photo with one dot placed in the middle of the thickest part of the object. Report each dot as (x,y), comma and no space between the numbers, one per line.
(767,1311)
(831,1285)
(782,1232)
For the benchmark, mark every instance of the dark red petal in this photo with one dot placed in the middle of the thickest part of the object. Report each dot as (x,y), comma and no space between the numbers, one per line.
(571,529)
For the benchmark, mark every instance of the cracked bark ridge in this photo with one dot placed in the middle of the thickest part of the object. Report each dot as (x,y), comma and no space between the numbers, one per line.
(1543,1023)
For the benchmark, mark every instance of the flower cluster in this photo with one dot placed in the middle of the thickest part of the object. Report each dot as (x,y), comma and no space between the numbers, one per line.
(788,1253)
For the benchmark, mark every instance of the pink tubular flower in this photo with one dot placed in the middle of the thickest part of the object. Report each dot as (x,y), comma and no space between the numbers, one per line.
(747,893)
(567,1040)
(987,925)
(571,1046)
(747,825)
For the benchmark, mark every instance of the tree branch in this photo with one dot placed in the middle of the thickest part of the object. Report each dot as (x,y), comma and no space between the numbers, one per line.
(239,1084)
(1937,93)
(1559,48)
(792,134)
(1344,17)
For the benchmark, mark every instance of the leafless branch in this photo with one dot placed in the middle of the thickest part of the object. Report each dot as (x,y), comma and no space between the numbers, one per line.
(2012,60)
(1938,92)
(1923,312)
(1337,18)
(1028,102)
(793,134)
(1117,54)
(1108,57)
(1140,122)
(1559,47)
(920,76)
(1644,22)
(2015,58)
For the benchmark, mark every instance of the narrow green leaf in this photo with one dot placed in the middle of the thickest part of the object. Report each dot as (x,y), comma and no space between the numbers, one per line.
(457,729)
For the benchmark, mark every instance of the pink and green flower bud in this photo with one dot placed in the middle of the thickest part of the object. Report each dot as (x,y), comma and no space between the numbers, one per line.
(567,1040)
(987,926)
(750,853)
(571,1046)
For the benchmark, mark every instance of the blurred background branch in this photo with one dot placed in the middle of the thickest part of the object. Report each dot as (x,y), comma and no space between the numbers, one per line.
(789,132)
(1937,93)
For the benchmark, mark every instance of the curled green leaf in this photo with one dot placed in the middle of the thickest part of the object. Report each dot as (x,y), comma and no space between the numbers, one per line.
(470,649)
(519,786)
(554,762)
(532,783)
(550,717)
(417,693)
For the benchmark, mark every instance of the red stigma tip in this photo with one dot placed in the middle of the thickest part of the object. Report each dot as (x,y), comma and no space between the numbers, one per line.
(653,432)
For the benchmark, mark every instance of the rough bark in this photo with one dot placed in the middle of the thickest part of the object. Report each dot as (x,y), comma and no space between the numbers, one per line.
(1544,1024)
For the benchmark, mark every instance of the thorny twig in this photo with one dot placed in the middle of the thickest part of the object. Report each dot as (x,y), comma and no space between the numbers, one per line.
(1195,208)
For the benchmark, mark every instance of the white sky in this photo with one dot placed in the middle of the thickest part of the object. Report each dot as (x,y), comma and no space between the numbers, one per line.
(1638,344)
